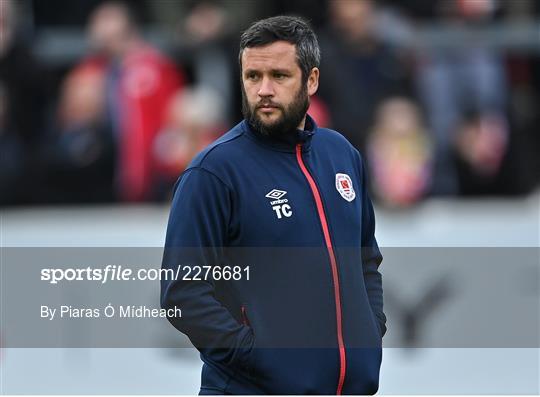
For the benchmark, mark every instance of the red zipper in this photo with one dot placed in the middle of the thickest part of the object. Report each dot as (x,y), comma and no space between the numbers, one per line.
(333,264)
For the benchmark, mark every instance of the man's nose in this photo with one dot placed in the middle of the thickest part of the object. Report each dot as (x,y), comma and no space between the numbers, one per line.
(266,89)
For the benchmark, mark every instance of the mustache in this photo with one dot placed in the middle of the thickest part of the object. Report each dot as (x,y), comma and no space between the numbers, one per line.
(267,104)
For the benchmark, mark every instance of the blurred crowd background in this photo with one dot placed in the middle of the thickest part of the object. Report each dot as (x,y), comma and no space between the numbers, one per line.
(106,101)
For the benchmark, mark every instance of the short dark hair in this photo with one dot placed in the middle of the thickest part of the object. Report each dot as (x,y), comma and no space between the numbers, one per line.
(292,29)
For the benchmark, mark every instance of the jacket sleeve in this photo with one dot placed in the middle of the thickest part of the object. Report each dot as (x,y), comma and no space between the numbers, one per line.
(371,256)
(196,233)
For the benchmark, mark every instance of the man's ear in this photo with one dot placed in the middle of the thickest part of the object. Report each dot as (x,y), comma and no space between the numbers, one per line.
(313,81)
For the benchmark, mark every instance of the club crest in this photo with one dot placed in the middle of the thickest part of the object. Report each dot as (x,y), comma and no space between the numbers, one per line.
(345,187)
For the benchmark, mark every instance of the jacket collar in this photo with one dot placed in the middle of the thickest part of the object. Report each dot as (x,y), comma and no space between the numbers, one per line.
(289,142)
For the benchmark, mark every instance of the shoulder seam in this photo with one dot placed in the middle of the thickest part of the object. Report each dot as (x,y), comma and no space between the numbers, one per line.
(210,173)
(219,144)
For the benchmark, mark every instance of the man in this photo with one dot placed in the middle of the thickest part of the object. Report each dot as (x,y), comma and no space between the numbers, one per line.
(120,94)
(286,200)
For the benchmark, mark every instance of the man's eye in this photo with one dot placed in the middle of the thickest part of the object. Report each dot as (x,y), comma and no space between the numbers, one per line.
(279,76)
(252,76)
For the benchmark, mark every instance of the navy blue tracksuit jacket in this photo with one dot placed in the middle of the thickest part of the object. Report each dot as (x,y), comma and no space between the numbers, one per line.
(308,318)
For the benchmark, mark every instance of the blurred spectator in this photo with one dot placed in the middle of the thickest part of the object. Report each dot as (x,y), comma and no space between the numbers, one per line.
(400,154)
(22,105)
(359,71)
(455,82)
(523,73)
(196,117)
(83,159)
(207,37)
(524,145)
(480,142)
(125,85)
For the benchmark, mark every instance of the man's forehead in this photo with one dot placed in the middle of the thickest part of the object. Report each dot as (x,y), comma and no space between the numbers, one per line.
(279,54)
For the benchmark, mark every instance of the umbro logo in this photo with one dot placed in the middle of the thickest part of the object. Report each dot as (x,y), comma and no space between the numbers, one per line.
(276,194)
(279,204)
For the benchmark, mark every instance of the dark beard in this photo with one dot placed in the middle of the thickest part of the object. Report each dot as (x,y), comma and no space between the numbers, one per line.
(288,122)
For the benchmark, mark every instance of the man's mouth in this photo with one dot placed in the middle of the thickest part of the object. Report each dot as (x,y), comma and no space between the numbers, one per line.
(267,107)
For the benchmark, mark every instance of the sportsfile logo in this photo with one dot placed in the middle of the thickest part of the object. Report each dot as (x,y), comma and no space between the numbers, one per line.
(279,204)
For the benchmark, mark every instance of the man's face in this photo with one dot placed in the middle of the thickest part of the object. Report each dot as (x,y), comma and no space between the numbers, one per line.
(109,29)
(274,98)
